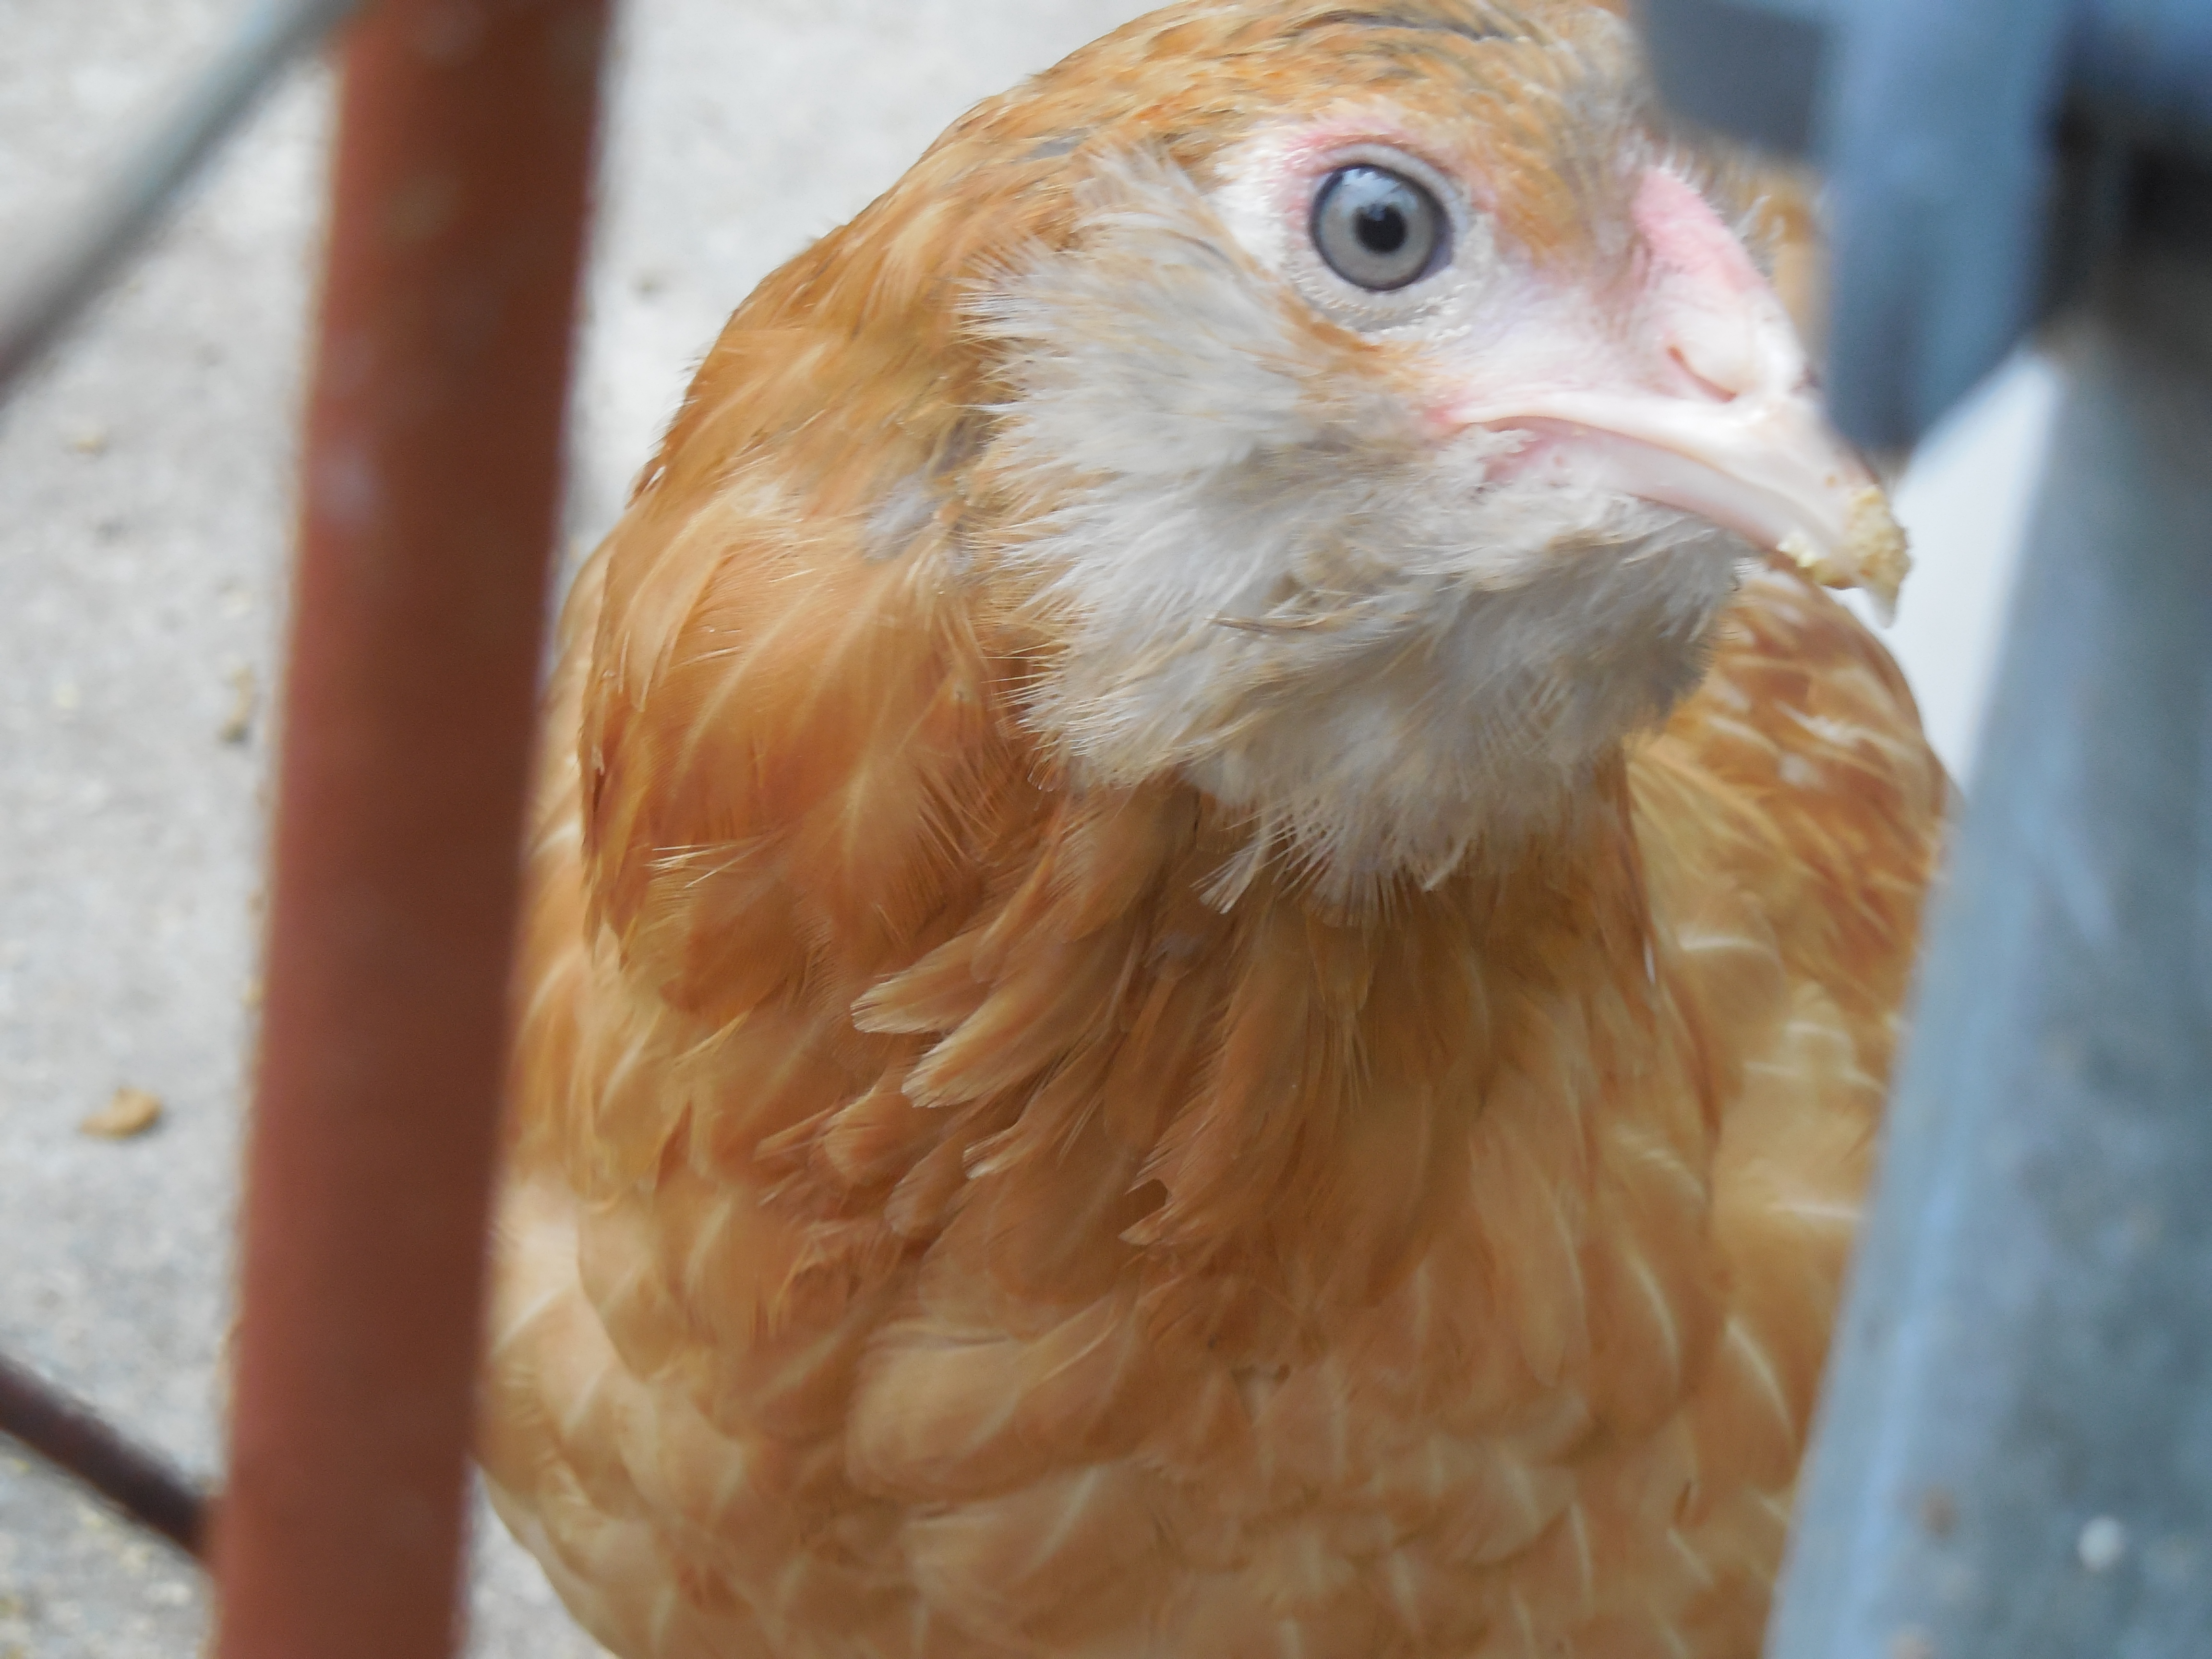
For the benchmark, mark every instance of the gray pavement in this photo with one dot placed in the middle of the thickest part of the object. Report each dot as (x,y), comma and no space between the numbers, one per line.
(145,482)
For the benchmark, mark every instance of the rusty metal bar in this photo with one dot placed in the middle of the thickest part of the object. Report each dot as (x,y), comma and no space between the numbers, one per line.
(73,1438)
(431,493)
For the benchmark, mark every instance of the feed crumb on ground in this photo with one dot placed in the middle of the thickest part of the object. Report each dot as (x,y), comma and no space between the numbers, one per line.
(132,1112)
(246,699)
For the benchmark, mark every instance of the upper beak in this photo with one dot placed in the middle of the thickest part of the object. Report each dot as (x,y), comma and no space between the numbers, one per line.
(1731,426)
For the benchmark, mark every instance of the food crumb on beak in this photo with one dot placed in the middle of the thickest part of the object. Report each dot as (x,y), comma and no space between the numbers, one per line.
(1875,555)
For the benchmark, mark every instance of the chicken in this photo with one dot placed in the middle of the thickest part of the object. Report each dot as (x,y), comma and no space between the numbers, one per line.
(1217,917)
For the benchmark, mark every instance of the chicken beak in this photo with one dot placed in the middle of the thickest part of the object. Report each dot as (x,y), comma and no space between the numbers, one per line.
(1767,468)
(1729,426)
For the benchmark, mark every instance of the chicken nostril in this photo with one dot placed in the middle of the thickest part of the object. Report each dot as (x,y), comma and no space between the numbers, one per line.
(1704,382)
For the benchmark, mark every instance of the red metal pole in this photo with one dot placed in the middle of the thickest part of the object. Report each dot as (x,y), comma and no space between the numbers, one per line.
(431,493)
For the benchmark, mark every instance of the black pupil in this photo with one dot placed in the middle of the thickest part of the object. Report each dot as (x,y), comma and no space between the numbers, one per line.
(1381,228)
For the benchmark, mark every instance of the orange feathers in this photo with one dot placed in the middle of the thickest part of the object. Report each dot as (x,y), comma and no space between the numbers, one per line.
(973,1193)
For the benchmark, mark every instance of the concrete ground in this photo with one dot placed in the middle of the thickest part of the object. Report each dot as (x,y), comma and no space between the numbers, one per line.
(145,485)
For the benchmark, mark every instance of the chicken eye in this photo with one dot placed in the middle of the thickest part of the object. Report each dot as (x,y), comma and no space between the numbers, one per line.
(1377,229)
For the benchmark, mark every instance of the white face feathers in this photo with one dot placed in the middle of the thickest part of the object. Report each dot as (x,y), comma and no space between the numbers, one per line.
(1308,514)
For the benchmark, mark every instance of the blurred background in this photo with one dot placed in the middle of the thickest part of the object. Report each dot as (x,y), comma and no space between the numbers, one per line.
(145,510)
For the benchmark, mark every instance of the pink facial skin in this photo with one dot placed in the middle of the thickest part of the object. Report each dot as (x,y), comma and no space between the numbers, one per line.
(1705,403)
